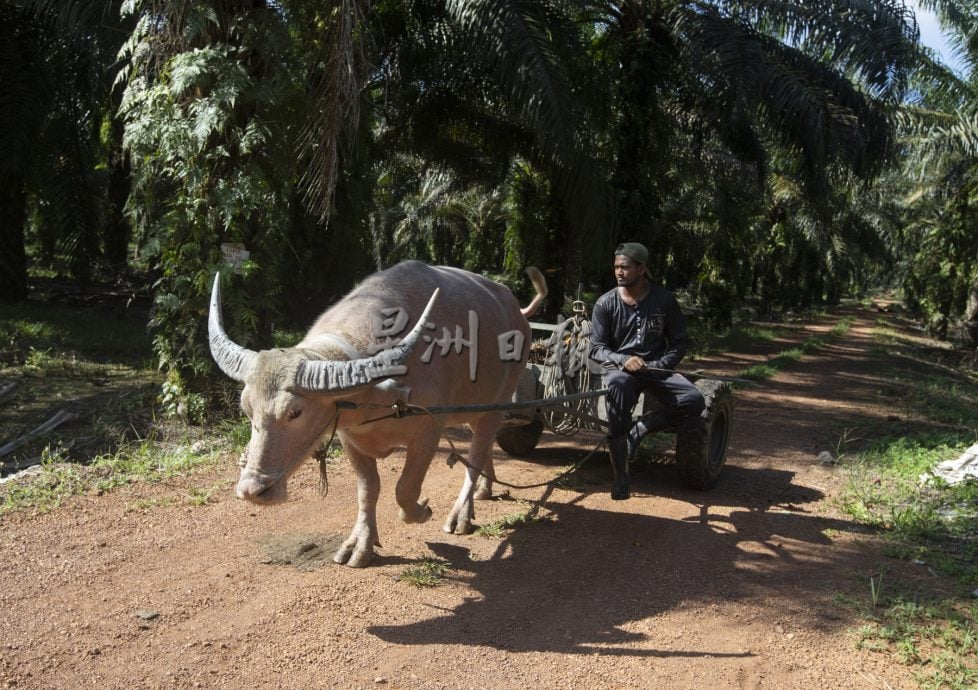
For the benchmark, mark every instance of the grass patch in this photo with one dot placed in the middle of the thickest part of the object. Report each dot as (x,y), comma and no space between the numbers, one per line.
(60,359)
(929,522)
(739,338)
(196,496)
(32,326)
(939,638)
(429,572)
(758,372)
(44,491)
(500,527)
(147,461)
(745,336)
(943,400)
(785,358)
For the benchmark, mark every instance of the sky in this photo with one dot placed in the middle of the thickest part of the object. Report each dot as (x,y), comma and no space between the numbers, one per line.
(930,36)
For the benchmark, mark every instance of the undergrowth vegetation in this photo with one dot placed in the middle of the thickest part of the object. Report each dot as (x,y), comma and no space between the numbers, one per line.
(923,518)
(507,523)
(97,365)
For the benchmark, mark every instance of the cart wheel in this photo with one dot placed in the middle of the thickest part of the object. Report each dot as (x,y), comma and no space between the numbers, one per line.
(520,440)
(701,450)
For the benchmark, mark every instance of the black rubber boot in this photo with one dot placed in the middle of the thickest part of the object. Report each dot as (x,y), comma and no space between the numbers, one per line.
(652,422)
(618,450)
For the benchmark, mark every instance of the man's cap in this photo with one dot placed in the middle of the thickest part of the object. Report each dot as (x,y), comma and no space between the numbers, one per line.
(634,251)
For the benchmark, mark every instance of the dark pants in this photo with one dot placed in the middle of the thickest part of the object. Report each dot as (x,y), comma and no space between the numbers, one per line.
(680,398)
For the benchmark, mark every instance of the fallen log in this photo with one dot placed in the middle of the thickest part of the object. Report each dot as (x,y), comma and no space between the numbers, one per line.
(59,418)
(7,391)
(10,467)
(18,465)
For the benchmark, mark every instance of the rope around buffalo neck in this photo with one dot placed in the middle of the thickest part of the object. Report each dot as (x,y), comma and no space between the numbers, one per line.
(322,454)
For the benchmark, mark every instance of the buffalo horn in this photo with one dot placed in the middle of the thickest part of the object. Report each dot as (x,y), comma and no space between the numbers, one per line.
(323,376)
(233,360)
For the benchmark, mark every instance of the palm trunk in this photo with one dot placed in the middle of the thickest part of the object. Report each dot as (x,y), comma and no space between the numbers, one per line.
(13,257)
(969,329)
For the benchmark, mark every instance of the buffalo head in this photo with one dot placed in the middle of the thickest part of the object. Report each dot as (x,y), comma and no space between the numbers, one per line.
(290,397)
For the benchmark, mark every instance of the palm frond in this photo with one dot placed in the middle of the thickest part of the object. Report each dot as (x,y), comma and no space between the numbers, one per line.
(508,38)
(875,40)
(336,94)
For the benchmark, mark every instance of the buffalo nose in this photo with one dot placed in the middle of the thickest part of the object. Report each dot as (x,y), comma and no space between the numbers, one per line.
(259,488)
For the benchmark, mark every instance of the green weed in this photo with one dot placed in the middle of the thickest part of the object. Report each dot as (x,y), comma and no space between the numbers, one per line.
(785,358)
(429,572)
(842,327)
(758,372)
(875,590)
(45,491)
(498,528)
(80,331)
(939,637)
(236,432)
(145,461)
(199,496)
(737,339)
(943,400)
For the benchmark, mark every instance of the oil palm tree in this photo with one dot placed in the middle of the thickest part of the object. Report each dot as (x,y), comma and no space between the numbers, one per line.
(56,64)
(812,80)
(940,183)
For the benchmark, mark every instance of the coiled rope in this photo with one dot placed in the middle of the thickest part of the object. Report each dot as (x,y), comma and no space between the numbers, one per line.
(565,372)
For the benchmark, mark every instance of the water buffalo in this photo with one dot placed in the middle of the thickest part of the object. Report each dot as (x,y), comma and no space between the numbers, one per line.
(468,346)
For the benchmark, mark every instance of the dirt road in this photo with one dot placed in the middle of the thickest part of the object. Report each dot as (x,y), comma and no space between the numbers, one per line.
(732,588)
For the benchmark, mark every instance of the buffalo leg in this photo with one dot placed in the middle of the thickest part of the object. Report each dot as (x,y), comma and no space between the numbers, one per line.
(358,549)
(483,488)
(417,460)
(483,433)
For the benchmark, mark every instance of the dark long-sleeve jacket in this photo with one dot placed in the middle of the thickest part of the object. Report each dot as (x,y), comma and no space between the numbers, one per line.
(654,329)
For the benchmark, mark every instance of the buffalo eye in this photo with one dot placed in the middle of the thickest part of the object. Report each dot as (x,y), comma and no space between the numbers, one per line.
(294,413)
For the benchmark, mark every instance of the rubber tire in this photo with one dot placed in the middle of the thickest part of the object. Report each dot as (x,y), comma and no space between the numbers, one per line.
(520,440)
(701,453)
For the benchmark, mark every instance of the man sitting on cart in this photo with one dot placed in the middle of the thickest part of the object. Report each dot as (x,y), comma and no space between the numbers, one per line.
(638,336)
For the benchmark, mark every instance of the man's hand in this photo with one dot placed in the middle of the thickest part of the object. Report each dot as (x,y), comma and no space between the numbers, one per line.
(634,364)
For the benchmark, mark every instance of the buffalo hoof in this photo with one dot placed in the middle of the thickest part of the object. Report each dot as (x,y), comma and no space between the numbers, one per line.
(357,551)
(459,523)
(352,557)
(421,513)
(483,490)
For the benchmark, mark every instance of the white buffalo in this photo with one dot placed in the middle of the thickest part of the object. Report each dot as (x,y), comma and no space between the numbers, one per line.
(468,346)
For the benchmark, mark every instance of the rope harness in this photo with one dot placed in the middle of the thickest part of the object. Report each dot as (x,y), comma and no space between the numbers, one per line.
(402,409)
